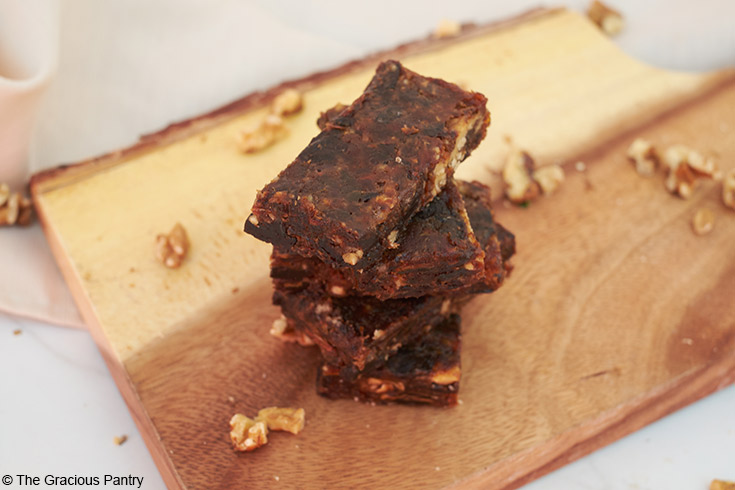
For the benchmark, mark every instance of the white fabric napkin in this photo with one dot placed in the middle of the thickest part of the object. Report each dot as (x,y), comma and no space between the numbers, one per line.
(129,68)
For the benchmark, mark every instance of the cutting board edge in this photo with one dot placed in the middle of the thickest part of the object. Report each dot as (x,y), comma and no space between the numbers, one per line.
(51,178)
(114,364)
(624,420)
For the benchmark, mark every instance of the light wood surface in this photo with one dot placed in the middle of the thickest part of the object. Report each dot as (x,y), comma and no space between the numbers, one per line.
(615,315)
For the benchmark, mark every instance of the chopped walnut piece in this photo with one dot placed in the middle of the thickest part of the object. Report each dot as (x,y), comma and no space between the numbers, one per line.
(246,433)
(518,177)
(4,193)
(270,130)
(287,419)
(287,103)
(721,485)
(447,377)
(171,249)
(685,167)
(15,209)
(703,221)
(282,330)
(609,20)
(120,440)
(728,189)
(352,258)
(645,157)
(549,178)
(377,385)
(447,28)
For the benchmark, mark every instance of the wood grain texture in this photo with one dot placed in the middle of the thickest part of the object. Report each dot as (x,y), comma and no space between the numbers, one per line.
(616,314)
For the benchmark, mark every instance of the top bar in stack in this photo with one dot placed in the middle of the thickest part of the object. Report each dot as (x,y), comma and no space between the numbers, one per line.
(347,196)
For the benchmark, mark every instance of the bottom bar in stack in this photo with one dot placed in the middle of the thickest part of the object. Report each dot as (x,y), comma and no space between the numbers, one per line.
(426,370)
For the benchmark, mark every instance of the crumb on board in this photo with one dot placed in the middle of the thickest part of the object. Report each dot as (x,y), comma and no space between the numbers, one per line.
(120,440)
(287,103)
(270,130)
(609,20)
(517,176)
(645,157)
(721,485)
(447,28)
(524,181)
(728,189)
(17,331)
(249,434)
(703,221)
(685,168)
(172,248)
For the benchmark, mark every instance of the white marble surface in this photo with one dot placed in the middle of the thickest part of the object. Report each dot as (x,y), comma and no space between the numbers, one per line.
(151,63)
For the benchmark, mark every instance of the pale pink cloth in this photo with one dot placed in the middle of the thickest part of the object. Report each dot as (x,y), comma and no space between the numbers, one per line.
(30,282)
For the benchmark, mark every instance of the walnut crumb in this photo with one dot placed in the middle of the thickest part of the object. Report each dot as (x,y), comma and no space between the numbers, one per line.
(268,132)
(645,157)
(728,189)
(517,175)
(380,386)
(172,249)
(447,28)
(721,485)
(447,377)
(17,331)
(549,178)
(609,20)
(287,103)
(120,440)
(352,258)
(393,236)
(247,434)
(686,167)
(15,209)
(283,331)
(703,221)
(286,419)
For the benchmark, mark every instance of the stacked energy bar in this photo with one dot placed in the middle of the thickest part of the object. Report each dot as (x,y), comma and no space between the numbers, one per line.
(376,246)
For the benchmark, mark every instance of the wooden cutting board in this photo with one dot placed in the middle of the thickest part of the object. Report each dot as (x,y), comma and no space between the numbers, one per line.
(615,315)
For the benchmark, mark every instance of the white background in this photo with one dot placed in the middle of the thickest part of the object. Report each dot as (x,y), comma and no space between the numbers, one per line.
(131,67)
